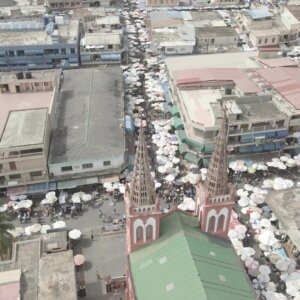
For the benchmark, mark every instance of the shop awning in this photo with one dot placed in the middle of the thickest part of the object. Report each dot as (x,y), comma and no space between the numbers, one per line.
(16,190)
(70,184)
(181,136)
(86,181)
(114,178)
(43,187)
(194,144)
(66,184)
(177,123)
(175,111)
(191,157)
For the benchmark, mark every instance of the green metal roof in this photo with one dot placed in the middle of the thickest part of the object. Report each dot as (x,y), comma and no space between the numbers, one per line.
(175,111)
(177,123)
(195,144)
(181,135)
(191,157)
(185,263)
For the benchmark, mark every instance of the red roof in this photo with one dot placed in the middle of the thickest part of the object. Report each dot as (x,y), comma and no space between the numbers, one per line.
(286,81)
(238,76)
(10,291)
(269,49)
(278,62)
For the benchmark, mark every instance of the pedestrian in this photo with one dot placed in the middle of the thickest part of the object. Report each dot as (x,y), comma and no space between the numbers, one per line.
(92,237)
(98,276)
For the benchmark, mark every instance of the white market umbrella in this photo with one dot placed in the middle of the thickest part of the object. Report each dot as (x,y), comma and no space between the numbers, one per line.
(264,269)
(16,232)
(248,187)
(170,178)
(76,199)
(240,228)
(45,228)
(59,224)
(285,264)
(267,238)
(3,208)
(265,223)
(270,295)
(255,215)
(74,234)
(35,228)
(244,201)
(86,197)
(246,253)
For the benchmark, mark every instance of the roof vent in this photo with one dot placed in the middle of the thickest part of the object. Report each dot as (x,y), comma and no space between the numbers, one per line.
(162,260)
(212,253)
(222,278)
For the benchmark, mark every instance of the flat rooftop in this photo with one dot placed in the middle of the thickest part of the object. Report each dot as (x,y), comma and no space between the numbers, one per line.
(27,253)
(198,106)
(238,60)
(57,277)
(165,18)
(286,205)
(264,32)
(7,77)
(102,38)
(24,128)
(260,111)
(181,35)
(295,10)
(215,31)
(67,33)
(89,115)
(22,101)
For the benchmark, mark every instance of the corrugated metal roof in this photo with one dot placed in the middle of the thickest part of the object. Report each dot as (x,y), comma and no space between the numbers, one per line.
(259,13)
(185,263)
(238,76)
(286,81)
(278,62)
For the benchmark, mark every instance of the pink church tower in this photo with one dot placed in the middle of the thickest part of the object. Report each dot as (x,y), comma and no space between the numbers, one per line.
(141,203)
(214,196)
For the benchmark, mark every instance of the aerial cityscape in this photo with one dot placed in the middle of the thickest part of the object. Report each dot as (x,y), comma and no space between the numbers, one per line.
(150,149)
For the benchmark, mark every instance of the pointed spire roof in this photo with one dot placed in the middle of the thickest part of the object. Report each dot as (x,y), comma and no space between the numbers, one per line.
(142,189)
(216,182)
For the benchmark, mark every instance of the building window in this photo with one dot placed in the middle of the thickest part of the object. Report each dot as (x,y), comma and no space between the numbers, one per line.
(2,179)
(170,49)
(221,221)
(87,166)
(20,53)
(72,50)
(110,47)
(106,163)
(273,40)
(67,168)
(12,166)
(266,41)
(139,234)
(14,176)
(63,51)
(212,41)
(259,41)
(149,233)
(36,173)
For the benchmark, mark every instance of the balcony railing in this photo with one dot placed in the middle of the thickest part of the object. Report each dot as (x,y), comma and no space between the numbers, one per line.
(255,129)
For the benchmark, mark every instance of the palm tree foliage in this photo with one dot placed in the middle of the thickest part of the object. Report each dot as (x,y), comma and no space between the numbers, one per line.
(5,241)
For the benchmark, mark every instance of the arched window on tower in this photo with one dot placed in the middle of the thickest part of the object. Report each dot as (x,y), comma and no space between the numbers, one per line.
(149,233)
(211,223)
(221,220)
(139,234)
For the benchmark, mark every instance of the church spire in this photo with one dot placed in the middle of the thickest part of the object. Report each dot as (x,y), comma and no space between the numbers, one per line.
(142,189)
(216,182)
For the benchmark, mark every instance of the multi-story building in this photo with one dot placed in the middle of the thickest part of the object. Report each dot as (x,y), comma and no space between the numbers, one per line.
(102,41)
(33,45)
(24,148)
(225,2)
(162,3)
(214,39)
(88,137)
(267,29)
(28,102)
(262,105)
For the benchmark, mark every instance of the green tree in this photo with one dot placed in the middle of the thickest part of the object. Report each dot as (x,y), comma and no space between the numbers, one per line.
(5,241)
